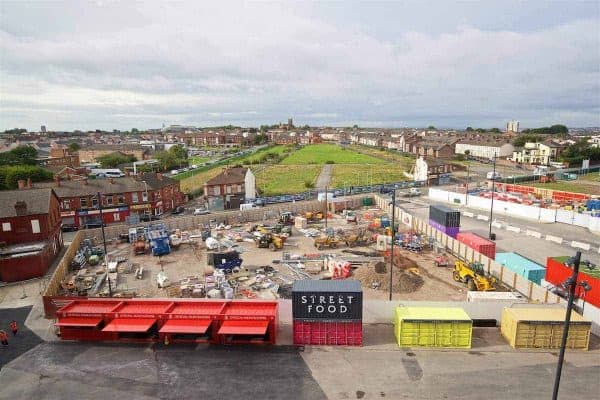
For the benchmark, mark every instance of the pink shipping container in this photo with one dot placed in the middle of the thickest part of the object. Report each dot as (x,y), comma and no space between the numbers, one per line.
(477,243)
(336,333)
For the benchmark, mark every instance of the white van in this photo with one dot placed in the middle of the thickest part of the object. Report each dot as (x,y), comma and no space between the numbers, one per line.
(107,173)
(246,206)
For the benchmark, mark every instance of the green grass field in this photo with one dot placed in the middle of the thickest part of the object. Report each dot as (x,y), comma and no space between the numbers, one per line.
(198,160)
(283,179)
(321,153)
(196,182)
(258,157)
(360,175)
(593,177)
(569,186)
(389,155)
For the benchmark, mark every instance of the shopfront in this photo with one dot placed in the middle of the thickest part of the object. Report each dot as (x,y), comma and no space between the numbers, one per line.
(110,216)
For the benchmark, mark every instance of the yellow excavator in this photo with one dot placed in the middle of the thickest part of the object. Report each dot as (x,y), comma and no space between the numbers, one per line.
(473,275)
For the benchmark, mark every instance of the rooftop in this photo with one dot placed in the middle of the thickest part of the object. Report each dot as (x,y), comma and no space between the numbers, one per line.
(36,200)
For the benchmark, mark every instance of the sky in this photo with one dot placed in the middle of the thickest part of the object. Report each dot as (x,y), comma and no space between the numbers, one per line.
(122,65)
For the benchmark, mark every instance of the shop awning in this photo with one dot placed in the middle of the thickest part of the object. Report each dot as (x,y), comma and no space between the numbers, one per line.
(243,327)
(129,325)
(198,326)
(79,321)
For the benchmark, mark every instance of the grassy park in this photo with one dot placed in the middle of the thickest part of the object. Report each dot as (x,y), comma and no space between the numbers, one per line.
(281,179)
(329,153)
(363,175)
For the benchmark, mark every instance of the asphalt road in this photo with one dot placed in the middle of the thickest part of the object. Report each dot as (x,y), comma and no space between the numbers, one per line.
(506,241)
(324,177)
(25,339)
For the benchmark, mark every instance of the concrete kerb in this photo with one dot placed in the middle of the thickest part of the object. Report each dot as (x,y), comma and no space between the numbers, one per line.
(483,217)
(554,239)
(468,214)
(529,232)
(513,229)
(581,245)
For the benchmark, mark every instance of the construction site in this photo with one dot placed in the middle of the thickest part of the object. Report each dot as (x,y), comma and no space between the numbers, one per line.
(262,259)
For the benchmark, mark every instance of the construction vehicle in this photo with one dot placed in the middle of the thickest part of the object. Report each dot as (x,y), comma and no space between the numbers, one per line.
(314,216)
(226,261)
(286,218)
(269,240)
(283,229)
(473,275)
(326,241)
(441,261)
(139,247)
(158,236)
(360,238)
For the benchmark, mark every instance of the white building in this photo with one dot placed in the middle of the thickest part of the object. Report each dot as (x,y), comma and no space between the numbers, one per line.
(512,126)
(485,149)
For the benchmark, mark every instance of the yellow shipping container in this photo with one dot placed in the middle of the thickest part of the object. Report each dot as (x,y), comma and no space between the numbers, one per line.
(543,328)
(448,327)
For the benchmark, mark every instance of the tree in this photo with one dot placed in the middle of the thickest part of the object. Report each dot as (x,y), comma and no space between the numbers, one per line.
(73,147)
(178,151)
(22,155)
(11,174)
(260,139)
(134,131)
(467,152)
(469,129)
(431,128)
(15,131)
(166,160)
(576,153)
(113,160)
(309,184)
(520,140)
(495,130)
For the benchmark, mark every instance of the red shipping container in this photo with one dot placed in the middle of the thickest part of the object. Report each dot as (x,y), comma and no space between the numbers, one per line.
(336,333)
(477,243)
(557,272)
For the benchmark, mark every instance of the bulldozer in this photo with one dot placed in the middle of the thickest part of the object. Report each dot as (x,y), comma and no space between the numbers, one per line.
(326,241)
(473,275)
(269,240)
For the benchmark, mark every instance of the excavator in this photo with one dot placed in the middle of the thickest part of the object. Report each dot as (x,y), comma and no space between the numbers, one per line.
(473,275)
(286,218)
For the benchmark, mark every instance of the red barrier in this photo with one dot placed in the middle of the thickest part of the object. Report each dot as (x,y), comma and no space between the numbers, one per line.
(557,272)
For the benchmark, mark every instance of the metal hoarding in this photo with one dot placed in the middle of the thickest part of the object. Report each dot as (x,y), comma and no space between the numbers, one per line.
(543,328)
(448,327)
(327,300)
(557,272)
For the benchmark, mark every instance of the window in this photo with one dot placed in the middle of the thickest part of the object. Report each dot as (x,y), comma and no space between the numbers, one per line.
(116,216)
(109,200)
(95,201)
(6,227)
(120,199)
(217,190)
(83,201)
(66,204)
(35,225)
(228,189)
(144,196)
(134,197)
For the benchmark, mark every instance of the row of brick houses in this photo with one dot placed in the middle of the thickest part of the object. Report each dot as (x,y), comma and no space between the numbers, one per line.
(146,194)
(30,232)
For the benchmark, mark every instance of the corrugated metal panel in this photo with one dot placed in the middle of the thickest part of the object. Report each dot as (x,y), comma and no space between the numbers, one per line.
(433,327)
(543,328)
(338,333)
(475,242)
(445,216)
(522,266)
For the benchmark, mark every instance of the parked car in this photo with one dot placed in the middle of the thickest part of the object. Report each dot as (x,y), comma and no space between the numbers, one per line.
(68,227)
(178,210)
(201,211)
(148,218)
(259,202)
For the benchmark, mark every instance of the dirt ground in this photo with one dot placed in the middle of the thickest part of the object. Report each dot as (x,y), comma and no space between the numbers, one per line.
(424,280)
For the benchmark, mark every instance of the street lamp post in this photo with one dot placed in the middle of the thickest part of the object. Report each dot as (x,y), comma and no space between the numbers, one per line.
(104,243)
(493,193)
(572,283)
(393,237)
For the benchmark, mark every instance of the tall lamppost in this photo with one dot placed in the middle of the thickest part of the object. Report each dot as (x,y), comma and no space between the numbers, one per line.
(393,237)
(104,243)
(493,193)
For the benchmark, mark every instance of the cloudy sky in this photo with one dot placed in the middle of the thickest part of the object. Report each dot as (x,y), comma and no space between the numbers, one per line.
(107,65)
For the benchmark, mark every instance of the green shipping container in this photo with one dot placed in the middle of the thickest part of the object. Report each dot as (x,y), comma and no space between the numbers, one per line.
(448,327)
(367,201)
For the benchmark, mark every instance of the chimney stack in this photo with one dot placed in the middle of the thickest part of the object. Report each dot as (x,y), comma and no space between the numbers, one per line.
(20,208)
(21,184)
(28,183)
(57,180)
